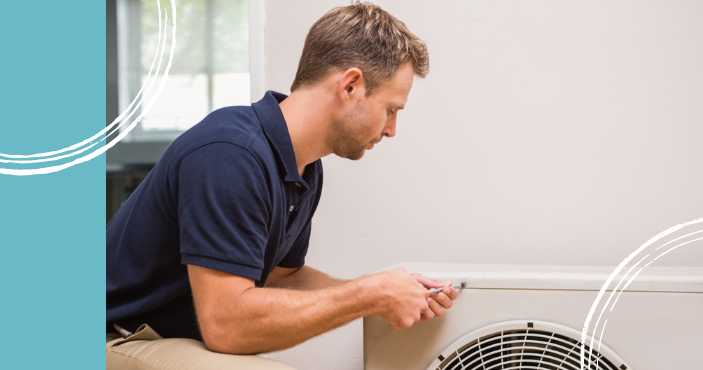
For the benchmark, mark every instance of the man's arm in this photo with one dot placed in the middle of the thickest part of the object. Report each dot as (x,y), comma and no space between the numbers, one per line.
(302,278)
(236,317)
(308,278)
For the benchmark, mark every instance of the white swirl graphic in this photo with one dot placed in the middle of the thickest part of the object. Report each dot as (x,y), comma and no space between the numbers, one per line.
(120,127)
(653,255)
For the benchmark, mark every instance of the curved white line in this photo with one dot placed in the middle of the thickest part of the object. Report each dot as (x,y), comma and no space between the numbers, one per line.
(158,55)
(584,332)
(690,241)
(625,287)
(103,149)
(118,119)
(49,159)
(150,81)
(637,273)
(600,340)
(617,286)
(607,302)
(681,237)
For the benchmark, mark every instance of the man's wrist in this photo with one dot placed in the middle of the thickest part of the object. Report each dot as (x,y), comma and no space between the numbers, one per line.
(370,293)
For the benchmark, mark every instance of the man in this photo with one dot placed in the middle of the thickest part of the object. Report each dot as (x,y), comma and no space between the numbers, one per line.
(212,244)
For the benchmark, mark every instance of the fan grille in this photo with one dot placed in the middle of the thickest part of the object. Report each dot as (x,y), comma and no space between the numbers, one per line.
(522,349)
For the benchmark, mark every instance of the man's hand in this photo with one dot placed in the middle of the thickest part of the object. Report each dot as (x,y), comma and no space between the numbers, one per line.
(439,302)
(403,300)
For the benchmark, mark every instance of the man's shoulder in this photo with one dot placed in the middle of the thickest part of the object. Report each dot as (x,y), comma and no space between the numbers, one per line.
(236,127)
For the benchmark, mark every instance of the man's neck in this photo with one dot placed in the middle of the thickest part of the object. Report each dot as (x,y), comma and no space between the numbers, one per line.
(307,115)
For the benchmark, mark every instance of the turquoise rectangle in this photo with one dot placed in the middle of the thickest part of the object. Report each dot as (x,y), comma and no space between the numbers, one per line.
(52,231)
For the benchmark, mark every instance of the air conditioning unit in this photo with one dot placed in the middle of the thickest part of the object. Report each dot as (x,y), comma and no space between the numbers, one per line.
(532,317)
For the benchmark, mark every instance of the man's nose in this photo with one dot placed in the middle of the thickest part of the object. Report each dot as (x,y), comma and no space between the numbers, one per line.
(389,130)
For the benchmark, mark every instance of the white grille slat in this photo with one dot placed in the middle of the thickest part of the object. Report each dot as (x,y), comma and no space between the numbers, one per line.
(560,356)
(521,349)
(569,354)
(524,343)
(547,356)
(480,351)
(502,336)
(545,349)
(538,365)
(566,349)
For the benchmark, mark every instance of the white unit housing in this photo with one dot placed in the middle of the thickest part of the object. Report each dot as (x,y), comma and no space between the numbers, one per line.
(532,317)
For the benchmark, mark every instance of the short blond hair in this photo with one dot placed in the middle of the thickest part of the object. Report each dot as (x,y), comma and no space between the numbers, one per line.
(364,36)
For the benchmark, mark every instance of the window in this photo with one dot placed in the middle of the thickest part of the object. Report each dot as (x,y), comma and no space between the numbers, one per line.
(211,65)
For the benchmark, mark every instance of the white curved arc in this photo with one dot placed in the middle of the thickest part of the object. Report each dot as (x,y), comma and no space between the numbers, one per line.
(141,96)
(39,155)
(160,47)
(103,149)
(681,237)
(625,287)
(600,340)
(101,132)
(607,302)
(620,282)
(584,332)
(672,248)
(49,159)
(600,295)
(118,119)
(633,277)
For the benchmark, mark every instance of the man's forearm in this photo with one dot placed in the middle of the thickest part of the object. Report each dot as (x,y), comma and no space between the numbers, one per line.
(236,317)
(306,278)
(271,319)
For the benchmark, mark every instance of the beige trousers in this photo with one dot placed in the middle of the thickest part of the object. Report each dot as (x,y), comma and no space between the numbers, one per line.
(147,350)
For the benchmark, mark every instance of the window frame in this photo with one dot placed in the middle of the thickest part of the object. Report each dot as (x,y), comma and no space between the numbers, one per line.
(151,145)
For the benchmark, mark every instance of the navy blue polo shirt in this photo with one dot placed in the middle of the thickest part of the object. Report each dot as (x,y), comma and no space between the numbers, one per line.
(225,195)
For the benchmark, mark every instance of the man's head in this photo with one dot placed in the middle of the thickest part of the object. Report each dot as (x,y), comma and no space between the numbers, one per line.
(370,58)
(364,36)
(365,120)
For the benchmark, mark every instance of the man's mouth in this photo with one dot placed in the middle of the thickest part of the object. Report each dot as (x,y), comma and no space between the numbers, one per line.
(373,143)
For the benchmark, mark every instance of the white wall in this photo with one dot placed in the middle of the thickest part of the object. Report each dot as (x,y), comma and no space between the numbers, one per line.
(548,132)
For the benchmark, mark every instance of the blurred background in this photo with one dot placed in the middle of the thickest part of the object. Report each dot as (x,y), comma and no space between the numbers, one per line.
(547,132)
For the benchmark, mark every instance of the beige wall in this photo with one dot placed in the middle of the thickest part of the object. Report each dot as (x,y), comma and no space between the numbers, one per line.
(548,132)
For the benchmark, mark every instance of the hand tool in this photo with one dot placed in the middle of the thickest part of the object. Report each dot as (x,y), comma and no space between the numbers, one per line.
(455,286)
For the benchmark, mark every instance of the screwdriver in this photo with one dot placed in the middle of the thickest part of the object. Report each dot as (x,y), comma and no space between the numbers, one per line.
(455,286)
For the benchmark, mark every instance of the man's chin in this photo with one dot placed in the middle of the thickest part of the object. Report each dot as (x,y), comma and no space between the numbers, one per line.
(357,156)
(354,156)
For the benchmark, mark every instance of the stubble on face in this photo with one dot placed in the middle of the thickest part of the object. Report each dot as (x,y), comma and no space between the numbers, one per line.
(346,137)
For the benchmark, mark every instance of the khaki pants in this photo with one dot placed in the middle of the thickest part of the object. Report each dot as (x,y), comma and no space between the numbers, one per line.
(147,350)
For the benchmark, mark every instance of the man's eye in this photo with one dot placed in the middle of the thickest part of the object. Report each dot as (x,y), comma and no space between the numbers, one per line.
(391,111)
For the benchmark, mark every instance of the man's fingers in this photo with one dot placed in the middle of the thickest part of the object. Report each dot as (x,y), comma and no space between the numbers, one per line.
(429,312)
(444,299)
(427,282)
(450,292)
(436,308)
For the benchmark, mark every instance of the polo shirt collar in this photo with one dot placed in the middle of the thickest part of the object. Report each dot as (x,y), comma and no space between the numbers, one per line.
(276,130)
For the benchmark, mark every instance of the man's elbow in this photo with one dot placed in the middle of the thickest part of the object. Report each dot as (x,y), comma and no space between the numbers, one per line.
(228,342)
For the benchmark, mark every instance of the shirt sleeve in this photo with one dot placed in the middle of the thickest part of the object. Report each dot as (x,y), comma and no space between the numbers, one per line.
(223,210)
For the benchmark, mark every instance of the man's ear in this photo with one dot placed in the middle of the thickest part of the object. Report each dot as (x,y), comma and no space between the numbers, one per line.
(352,85)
